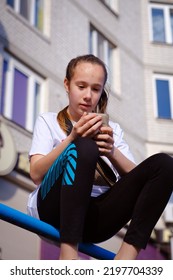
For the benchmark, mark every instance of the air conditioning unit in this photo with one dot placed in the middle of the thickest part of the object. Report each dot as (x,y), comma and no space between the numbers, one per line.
(168,213)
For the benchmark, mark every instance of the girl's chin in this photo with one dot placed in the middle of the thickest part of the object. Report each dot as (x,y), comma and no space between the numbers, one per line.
(82,111)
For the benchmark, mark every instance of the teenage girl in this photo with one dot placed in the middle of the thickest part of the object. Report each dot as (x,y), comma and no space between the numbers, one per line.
(65,150)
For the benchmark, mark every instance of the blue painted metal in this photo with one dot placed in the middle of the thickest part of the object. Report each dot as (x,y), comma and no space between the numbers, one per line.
(45,230)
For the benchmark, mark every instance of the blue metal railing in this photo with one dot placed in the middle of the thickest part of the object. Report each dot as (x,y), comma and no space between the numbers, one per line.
(45,230)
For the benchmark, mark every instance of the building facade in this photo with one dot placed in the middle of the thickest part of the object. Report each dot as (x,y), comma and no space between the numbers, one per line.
(37,40)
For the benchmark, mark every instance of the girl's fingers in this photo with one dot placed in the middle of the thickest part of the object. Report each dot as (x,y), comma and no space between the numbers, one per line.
(88,125)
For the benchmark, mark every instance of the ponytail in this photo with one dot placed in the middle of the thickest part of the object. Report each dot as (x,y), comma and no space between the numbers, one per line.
(61,118)
(102,104)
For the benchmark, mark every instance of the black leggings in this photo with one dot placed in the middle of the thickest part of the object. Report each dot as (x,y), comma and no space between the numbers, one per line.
(64,198)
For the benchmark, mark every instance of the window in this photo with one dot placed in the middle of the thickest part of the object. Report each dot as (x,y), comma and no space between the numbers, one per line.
(112,4)
(163,85)
(21,93)
(161,23)
(107,52)
(31,10)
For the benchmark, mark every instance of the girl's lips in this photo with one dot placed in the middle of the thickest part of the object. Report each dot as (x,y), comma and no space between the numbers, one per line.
(85,106)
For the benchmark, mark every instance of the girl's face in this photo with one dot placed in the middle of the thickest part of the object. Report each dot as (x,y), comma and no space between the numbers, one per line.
(84,89)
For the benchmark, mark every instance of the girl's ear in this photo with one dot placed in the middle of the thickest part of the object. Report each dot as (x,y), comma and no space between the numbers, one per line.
(66,85)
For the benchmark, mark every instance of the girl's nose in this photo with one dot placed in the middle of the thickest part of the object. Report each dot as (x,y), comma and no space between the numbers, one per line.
(88,93)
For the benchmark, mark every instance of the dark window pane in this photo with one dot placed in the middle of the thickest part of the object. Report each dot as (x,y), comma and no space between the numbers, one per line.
(158,25)
(171,16)
(10,3)
(36,100)
(163,99)
(100,46)
(25,8)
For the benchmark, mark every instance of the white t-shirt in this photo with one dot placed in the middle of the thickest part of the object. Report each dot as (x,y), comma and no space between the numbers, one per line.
(48,134)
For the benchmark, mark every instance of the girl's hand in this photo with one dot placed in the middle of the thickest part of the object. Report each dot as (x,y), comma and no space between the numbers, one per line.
(88,126)
(105,141)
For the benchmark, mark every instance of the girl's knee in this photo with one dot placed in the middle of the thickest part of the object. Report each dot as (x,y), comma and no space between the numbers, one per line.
(163,162)
(161,158)
(164,159)
(87,148)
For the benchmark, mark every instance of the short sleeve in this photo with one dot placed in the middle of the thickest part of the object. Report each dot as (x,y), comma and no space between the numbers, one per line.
(42,141)
(119,141)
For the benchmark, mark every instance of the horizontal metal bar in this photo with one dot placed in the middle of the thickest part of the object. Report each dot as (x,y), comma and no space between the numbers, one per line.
(45,230)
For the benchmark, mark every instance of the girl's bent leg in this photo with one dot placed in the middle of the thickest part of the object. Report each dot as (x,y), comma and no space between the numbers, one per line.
(64,196)
(152,199)
(75,199)
(139,196)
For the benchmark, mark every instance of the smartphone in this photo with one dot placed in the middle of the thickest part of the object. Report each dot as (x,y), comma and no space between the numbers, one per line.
(105,118)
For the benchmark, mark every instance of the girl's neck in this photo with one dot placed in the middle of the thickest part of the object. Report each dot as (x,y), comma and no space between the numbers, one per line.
(72,118)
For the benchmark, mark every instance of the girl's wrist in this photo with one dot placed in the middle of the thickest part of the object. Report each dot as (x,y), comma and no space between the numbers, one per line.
(70,138)
(111,155)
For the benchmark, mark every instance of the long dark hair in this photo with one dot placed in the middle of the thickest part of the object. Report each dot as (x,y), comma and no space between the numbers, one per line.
(102,104)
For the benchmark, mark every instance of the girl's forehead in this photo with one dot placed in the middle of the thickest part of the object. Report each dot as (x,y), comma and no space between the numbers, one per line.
(85,64)
(86,68)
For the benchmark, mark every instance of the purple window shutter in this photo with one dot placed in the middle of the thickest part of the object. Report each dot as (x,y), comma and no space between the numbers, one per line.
(19,98)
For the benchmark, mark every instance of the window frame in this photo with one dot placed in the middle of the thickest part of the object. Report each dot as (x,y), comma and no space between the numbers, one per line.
(169,78)
(32,13)
(111,60)
(33,78)
(167,22)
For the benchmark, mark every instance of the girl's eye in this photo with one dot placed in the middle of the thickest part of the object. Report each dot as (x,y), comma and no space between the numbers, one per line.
(96,89)
(81,87)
